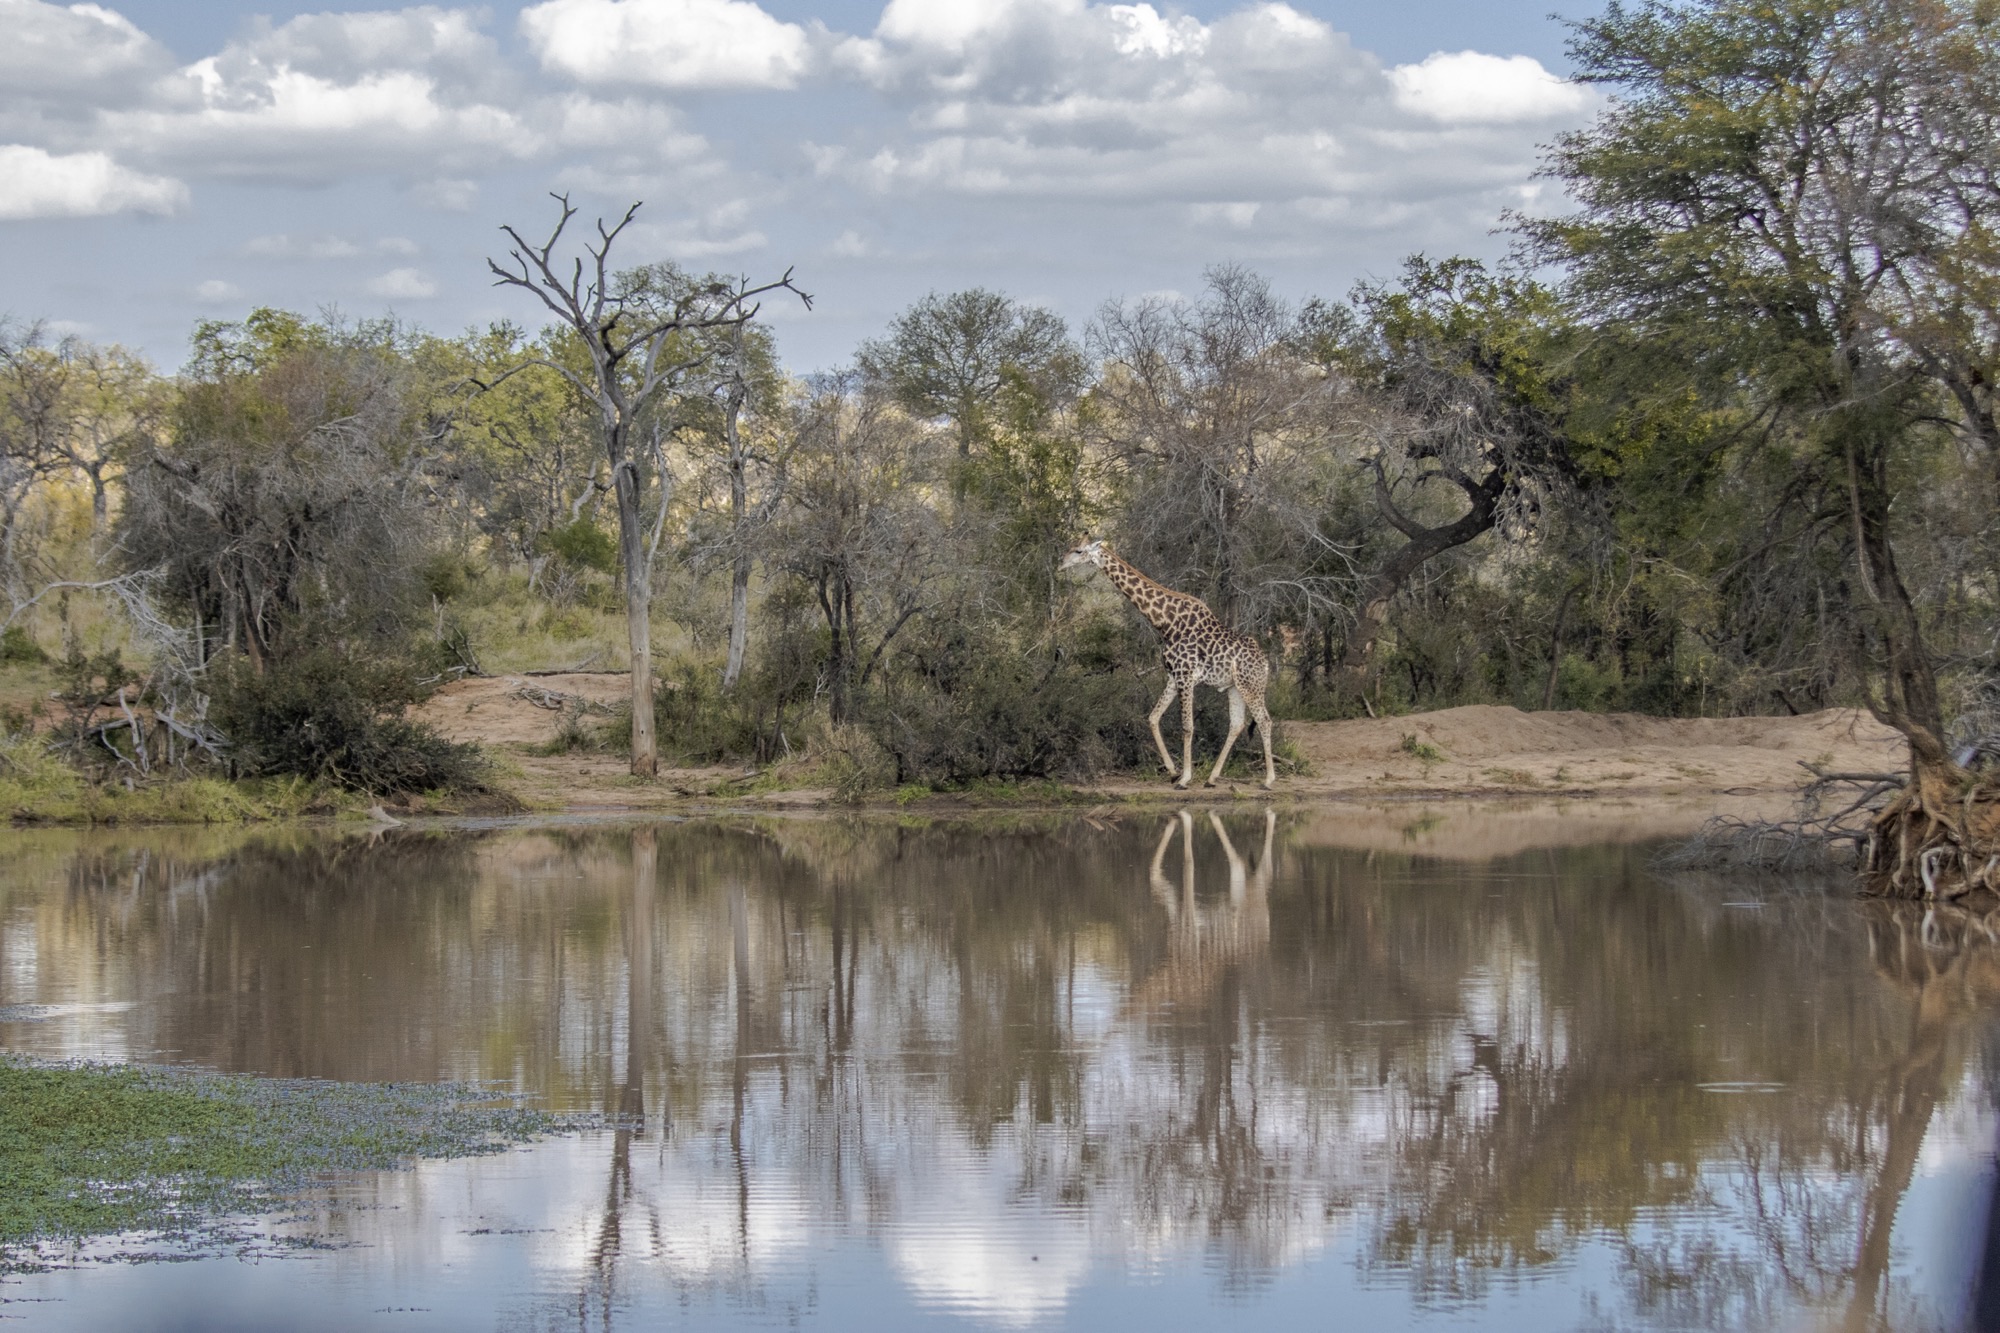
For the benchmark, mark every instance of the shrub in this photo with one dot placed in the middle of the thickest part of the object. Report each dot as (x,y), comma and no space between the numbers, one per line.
(324,716)
(19,646)
(966,702)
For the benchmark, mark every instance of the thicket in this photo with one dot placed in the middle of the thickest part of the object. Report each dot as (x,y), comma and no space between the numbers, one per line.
(1690,463)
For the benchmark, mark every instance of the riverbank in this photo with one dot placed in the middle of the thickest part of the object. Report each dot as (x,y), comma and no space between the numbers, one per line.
(1473,753)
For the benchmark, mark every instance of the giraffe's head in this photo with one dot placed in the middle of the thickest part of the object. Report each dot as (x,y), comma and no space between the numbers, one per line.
(1086,553)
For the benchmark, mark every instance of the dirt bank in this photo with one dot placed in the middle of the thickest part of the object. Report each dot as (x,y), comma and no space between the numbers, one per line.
(1478,751)
(1485,749)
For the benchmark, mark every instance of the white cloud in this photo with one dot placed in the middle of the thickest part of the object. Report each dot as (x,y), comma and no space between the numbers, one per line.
(348,47)
(417,92)
(82,54)
(1468,87)
(286,246)
(403,284)
(954,25)
(282,246)
(41,184)
(215,291)
(446,194)
(681,44)
(289,124)
(1266,123)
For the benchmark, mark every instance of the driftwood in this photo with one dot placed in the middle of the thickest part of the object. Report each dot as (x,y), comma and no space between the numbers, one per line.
(1932,836)
(560,701)
(1835,818)
(580,669)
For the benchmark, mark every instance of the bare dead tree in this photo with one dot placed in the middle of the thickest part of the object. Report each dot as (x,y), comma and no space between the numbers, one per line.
(857,528)
(735,395)
(639,349)
(1217,424)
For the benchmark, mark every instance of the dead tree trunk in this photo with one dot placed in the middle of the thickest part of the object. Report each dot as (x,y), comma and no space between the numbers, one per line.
(638,569)
(639,350)
(739,505)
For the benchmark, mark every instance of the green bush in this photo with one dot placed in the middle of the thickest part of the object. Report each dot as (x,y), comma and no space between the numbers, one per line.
(697,723)
(19,646)
(965,702)
(582,544)
(326,716)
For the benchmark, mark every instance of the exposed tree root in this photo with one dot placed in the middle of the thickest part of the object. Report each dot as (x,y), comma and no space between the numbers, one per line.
(1932,838)
(1937,839)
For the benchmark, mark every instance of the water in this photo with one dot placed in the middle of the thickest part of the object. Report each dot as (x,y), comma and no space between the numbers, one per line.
(1137,1072)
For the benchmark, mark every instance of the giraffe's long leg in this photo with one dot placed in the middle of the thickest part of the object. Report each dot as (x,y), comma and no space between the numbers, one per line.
(1235,730)
(1160,711)
(1262,715)
(1187,736)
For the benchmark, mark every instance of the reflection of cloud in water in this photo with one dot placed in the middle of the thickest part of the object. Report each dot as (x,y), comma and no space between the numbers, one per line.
(962,1241)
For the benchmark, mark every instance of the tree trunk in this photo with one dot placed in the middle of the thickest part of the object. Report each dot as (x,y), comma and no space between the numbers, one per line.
(739,575)
(1910,694)
(1556,650)
(739,620)
(1940,836)
(638,608)
(1423,544)
(834,603)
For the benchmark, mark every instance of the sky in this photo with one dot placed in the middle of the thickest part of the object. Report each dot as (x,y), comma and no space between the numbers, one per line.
(163,162)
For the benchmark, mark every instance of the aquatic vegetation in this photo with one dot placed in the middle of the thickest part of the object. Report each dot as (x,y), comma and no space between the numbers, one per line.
(91,1149)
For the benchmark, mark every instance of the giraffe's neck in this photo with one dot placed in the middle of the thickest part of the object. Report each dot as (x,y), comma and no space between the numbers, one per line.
(1157,602)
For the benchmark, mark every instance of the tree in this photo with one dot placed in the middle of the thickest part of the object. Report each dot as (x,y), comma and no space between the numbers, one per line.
(1452,393)
(1793,201)
(947,356)
(526,449)
(1217,423)
(733,429)
(635,330)
(288,503)
(859,529)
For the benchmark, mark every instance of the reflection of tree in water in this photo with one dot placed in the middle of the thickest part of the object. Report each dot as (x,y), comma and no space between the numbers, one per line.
(925,1035)
(233,951)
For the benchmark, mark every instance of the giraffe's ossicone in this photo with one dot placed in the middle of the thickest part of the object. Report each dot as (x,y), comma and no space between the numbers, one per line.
(1199,650)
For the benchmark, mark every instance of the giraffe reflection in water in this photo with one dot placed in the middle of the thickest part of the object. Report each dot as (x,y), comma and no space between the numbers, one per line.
(1207,938)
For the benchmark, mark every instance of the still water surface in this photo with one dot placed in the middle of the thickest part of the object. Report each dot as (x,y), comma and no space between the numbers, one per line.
(1155,1072)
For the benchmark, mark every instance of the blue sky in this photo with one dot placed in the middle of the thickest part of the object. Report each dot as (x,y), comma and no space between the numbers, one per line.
(171,162)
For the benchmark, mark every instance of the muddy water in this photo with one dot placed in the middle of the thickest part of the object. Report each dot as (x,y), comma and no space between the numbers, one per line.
(1148,1073)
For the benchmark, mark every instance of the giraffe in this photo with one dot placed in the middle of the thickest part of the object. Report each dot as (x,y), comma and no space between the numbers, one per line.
(1199,650)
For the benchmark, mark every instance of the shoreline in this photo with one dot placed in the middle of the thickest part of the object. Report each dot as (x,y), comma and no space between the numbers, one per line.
(1482,753)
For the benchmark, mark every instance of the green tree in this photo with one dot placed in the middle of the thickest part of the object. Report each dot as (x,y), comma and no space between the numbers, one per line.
(1780,201)
(1456,409)
(949,356)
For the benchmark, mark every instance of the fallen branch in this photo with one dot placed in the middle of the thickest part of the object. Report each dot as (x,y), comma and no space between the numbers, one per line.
(1836,817)
(559,701)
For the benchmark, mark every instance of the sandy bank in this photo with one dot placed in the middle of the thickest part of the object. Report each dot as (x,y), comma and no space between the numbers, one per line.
(1588,762)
